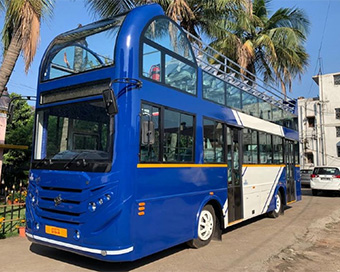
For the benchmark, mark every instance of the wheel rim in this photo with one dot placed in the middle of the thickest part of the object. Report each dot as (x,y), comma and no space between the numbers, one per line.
(206,225)
(278,204)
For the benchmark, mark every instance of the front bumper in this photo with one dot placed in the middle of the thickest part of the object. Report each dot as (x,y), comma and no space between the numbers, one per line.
(113,254)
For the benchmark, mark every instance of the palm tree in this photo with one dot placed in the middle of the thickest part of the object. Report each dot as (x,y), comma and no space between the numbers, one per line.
(193,16)
(270,46)
(21,33)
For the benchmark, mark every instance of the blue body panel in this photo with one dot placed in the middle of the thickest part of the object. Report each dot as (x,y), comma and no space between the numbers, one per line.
(173,196)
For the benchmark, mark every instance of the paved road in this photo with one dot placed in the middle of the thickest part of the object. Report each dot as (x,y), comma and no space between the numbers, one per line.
(247,247)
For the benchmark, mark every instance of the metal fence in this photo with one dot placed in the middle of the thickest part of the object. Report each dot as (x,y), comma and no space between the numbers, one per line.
(12,210)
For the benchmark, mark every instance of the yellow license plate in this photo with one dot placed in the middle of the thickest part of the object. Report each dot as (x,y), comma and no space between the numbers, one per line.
(56,231)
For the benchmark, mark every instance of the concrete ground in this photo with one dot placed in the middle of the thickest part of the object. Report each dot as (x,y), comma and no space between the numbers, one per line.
(306,238)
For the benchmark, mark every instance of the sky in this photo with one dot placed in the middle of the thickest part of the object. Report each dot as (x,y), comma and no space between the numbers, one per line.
(324,34)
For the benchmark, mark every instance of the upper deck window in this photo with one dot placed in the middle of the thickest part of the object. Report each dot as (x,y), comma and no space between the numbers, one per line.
(83,49)
(167,56)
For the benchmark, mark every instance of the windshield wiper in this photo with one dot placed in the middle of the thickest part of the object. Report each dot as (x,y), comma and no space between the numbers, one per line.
(45,161)
(74,158)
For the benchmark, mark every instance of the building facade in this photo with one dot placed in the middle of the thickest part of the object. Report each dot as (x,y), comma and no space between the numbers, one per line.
(319,124)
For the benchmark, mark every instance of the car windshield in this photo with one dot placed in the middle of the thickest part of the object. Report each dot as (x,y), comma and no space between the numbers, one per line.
(73,131)
(326,171)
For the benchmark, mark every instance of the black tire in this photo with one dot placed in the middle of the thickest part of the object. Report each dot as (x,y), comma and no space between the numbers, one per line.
(278,206)
(205,228)
(315,192)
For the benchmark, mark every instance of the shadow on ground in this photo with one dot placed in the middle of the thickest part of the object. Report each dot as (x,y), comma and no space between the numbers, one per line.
(96,265)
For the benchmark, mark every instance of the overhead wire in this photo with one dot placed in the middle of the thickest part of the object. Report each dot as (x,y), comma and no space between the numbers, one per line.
(319,62)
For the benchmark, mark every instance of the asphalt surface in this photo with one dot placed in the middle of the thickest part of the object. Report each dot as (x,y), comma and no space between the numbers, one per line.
(250,246)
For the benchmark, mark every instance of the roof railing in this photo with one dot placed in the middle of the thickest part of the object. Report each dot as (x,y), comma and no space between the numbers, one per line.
(222,67)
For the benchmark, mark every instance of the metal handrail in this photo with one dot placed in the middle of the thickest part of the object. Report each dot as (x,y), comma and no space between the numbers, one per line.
(267,92)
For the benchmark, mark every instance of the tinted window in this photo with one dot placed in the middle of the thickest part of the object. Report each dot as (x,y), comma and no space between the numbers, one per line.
(175,129)
(213,141)
(278,149)
(150,153)
(250,145)
(326,171)
(265,147)
(178,137)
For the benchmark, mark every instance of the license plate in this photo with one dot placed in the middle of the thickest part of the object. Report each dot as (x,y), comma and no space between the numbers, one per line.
(325,178)
(56,231)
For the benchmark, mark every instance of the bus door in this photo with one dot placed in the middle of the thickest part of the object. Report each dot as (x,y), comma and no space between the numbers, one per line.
(290,166)
(235,201)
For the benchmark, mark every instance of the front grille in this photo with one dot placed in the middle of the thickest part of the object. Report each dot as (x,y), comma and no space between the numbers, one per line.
(61,212)
(66,205)
(62,189)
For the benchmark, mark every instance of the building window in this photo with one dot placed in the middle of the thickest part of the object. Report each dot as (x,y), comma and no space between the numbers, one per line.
(337,113)
(337,131)
(336,79)
(338,149)
(310,157)
(311,121)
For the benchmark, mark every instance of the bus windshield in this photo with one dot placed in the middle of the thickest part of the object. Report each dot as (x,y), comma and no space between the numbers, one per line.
(71,133)
(83,49)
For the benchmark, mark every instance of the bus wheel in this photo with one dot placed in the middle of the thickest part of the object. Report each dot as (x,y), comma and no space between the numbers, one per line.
(206,227)
(278,206)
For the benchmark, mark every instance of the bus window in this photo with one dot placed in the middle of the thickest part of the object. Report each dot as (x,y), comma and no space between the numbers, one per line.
(250,143)
(233,97)
(278,149)
(180,75)
(178,137)
(213,88)
(167,56)
(167,34)
(214,141)
(151,63)
(83,49)
(250,104)
(150,153)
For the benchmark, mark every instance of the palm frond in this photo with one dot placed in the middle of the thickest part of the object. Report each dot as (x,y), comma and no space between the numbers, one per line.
(110,8)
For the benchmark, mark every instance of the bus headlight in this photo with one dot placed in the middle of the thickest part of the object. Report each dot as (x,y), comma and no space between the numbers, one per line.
(92,206)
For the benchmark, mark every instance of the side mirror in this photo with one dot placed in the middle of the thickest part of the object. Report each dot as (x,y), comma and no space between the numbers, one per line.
(148,133)
(110,102)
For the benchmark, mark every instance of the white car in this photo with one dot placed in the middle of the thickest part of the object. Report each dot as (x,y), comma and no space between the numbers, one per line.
(325,178)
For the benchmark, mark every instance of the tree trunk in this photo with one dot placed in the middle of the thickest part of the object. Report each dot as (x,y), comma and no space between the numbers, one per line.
(10,59)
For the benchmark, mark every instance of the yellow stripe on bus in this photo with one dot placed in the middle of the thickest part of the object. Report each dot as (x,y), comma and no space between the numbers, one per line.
(178,165)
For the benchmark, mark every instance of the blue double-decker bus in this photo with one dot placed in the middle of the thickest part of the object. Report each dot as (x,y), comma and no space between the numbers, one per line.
(145,138)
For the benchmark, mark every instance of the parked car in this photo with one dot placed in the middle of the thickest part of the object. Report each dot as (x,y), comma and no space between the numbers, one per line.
(305,176)
(325,179)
